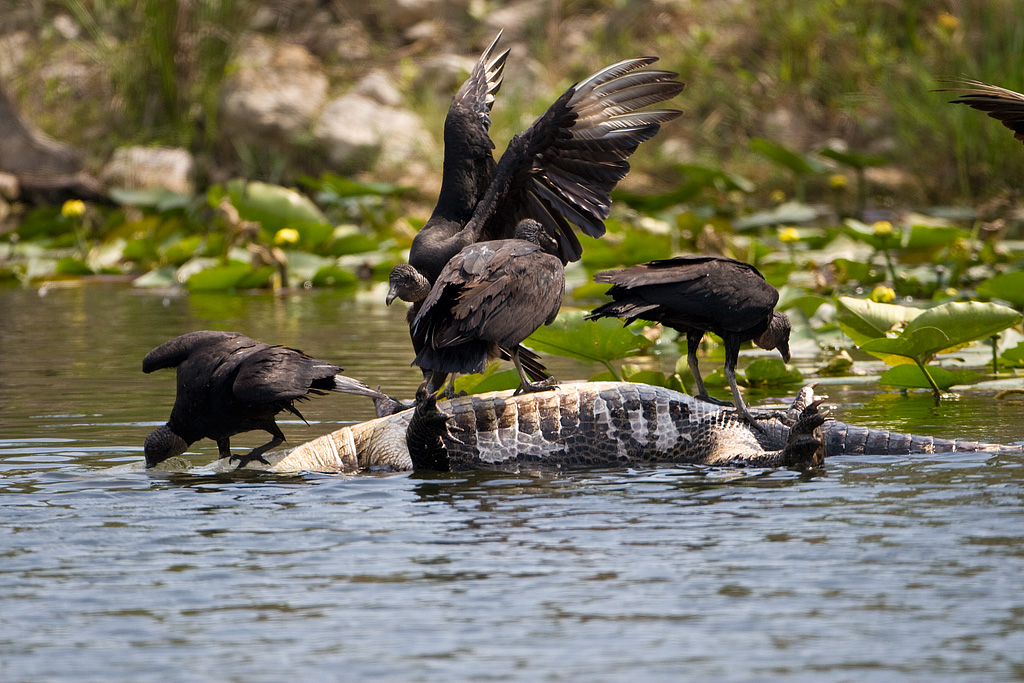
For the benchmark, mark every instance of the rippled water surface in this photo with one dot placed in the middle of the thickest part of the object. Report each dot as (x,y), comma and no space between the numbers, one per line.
(881,568)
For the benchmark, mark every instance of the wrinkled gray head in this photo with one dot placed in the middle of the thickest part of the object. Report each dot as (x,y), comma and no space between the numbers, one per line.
(776,336)
(532,231)
(163,443)
(407,284)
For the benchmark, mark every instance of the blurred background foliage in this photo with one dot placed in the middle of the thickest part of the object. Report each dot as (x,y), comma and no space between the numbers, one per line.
(813,145)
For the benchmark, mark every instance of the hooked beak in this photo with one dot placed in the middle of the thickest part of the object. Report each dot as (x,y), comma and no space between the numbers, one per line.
(392,294)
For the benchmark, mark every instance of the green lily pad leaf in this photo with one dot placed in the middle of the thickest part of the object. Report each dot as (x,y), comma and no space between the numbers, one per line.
(273,206)
(1008,286)
(637,375)
(304,266)
(862,319)
(141,250)
(218,278)
(488,380)
(159,277)
(862,232)
(931,237)
(771,372)
(787,158)
(590,340)
(946,327)
(1014,356)
(590,290)
(257,278)
(776,272)
(343,187)
(348,239)
(911,377)
(795,298)
(788,212)
(180,251)
(335,276)
(68,265)
(716,378)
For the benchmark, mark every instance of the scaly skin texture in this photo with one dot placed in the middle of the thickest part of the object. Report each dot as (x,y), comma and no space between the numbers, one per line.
(603,424)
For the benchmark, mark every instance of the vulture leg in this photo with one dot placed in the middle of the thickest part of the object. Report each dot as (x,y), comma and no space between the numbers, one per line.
(224,448)
(692,342)
(732,353)
(277,438)
(525,385)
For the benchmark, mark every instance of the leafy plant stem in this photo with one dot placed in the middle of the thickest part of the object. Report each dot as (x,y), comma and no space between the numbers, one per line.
(935,387)
(611,369)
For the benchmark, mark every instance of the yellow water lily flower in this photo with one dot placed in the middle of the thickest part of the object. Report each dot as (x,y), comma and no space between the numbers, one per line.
(882,228)
(73,208)
(286,236)
(789,235)
(883,295)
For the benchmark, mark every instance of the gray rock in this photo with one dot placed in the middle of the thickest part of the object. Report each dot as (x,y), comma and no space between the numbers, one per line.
(146,168)
(379,87)
(355,131)
(274,96)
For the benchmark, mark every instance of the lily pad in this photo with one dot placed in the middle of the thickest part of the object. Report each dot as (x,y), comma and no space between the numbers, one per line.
(862,319)
(334,276)
(771,372)
(1014,356)
(945,327)
(219,278)
(912,377)
(1008,286)
(273,206)
(789,212)
(601,340)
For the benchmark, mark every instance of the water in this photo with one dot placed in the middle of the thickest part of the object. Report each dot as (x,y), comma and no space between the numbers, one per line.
(883,568)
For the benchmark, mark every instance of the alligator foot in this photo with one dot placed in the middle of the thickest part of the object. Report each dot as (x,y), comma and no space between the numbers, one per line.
(424,436)
(805,447)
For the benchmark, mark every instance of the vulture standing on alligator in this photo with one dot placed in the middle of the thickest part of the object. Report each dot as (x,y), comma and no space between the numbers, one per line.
(491,296)
(698,294)
(561,170)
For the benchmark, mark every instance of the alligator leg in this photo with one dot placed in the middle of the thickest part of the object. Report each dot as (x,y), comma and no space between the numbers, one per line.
(423,436)
(805,447)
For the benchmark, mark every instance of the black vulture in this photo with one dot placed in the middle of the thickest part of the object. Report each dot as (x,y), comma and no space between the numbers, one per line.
(999,103)
(561,170)
(698,294)
(491,296)
(229,384)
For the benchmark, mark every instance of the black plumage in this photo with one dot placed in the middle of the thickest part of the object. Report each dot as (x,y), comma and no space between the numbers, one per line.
(228,383)
(490,296)
(698,294)
(1004,105)
(561,170)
